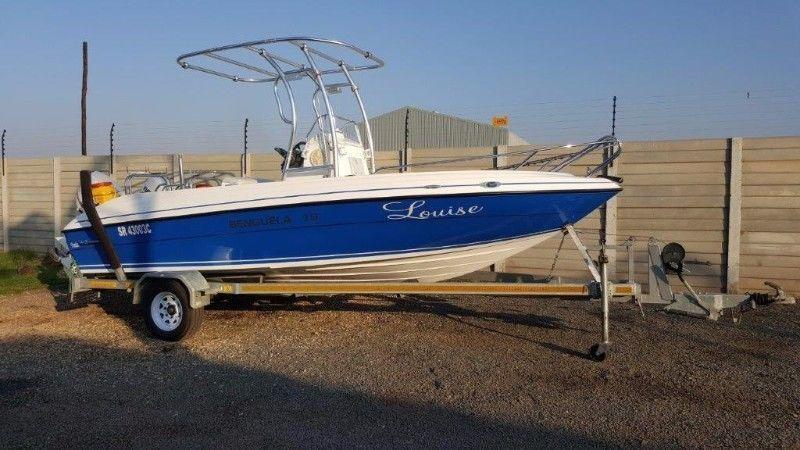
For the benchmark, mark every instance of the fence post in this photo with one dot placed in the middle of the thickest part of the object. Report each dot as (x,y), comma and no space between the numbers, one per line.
(176,163)
(609,225)
(404,152)
(608,213)
(111,150)
(499,161)
(245,155)
(734,215)
(56,196)
(4,200)
(246,164)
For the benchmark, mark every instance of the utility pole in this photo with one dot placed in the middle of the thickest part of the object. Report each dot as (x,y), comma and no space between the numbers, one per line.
(83,96)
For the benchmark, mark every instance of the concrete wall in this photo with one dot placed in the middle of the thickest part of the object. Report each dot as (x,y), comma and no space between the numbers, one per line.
(770,231)
(733,203)
(31,212)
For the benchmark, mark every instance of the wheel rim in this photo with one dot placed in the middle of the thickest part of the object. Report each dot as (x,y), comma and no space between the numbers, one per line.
(166,311)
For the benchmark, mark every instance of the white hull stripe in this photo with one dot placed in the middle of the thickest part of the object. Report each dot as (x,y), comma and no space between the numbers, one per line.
(151,206)
(290,262)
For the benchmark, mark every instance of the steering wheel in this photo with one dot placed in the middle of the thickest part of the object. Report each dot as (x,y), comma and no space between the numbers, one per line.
(296,155)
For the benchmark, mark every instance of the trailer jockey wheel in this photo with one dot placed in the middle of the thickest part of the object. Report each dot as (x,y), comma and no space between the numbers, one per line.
(672,256)
(167,310)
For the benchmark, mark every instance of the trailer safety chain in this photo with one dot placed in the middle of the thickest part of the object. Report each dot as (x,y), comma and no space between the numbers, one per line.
(549,277)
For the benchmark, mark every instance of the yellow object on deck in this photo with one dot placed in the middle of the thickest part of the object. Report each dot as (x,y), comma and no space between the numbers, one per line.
(103,192)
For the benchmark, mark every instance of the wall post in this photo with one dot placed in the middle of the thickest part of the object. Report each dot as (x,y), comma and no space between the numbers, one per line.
(733,215)
(246,164)
(176,170)
(56,196)
(4,200)
(609,225)
(499,161)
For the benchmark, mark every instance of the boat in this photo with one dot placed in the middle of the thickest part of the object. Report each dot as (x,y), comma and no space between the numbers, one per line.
(333,216)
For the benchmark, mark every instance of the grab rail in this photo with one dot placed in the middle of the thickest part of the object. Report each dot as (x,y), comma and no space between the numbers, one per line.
(167,185)
(611,146)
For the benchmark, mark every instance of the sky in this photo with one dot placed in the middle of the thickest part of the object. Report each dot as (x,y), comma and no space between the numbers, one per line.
(679,69)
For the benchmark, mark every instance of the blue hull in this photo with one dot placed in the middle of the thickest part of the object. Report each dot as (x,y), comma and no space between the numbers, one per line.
(318,232)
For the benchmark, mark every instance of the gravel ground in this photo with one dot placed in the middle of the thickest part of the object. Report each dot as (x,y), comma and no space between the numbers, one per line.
(421,371)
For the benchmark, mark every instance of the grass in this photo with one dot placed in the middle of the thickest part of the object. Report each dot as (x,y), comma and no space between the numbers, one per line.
(23,270)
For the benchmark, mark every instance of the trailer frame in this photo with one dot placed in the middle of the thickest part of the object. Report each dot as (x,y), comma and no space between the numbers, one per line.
(201,290)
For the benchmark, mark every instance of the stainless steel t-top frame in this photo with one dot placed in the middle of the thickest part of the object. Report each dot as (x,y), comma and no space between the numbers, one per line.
(283,70)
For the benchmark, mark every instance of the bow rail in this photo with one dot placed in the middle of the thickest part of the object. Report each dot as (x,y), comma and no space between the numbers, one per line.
(548,159)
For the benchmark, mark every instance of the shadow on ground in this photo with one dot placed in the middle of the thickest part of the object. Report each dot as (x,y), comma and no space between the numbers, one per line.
(54,392)
(118,305)
(420,304)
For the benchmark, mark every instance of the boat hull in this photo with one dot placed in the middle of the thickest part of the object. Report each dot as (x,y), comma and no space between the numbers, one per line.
(426,267)
(422,237)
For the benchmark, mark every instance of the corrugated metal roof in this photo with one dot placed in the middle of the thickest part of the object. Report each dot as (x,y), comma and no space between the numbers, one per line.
(428,129)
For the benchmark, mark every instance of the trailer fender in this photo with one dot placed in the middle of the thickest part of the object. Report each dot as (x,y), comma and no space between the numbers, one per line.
(196,285)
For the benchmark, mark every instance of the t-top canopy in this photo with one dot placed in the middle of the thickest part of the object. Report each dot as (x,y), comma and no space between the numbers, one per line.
(311,50)
(317,58)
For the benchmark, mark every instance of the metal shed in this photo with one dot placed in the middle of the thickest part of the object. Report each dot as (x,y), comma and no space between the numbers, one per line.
(417,128)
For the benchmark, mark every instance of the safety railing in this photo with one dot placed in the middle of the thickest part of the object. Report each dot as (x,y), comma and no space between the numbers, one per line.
(542,158)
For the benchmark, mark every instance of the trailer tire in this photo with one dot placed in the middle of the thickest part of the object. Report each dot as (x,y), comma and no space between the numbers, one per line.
(167,311)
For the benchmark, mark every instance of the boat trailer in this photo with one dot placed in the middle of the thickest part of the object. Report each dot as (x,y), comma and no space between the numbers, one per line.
(663,260)
(200,290)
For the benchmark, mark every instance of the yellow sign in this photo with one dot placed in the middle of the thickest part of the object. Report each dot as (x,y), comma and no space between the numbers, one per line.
(500,121)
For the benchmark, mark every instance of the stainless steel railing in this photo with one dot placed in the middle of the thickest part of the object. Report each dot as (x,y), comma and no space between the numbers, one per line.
(315,64)
(541,158)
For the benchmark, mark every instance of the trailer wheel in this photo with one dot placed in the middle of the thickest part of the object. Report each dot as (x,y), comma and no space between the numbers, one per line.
(167,311)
